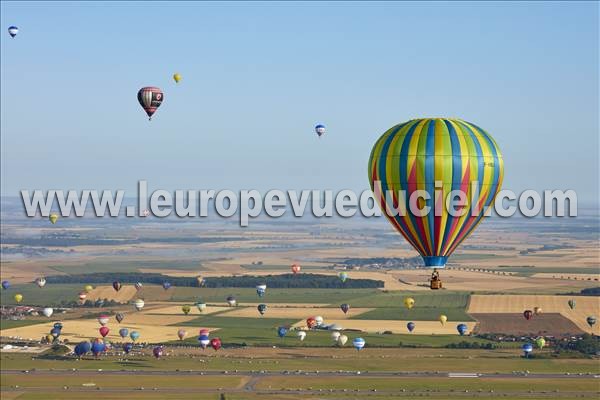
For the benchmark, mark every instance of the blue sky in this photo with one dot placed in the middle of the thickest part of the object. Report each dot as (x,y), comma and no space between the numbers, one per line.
(257,77)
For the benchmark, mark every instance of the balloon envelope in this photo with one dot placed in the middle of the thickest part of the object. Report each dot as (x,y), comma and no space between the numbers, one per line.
(416,155)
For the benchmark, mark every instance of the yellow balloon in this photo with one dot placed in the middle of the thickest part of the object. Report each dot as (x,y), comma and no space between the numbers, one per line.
(409,302)
(53,218)
(443,319)
(18,298)
(176,77)
(88,288)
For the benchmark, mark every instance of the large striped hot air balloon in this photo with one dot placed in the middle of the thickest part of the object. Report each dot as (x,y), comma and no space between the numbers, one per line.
(150,98)
(435,155)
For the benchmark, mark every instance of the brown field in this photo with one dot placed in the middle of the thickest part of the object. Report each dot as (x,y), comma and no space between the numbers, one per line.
(375,326)
(296,312)
(516,304)
(551,324)
(126,293)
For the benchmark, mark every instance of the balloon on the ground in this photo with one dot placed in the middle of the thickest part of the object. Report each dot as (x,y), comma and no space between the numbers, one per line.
(358,343)
(150,98)
(282,331)
(186,309)
(123,332)
(103,319)
(296,268)
(261,289)
(176,77)
(181,334)
(215,343)
(139,304)
(18,297)
(5,284)
(342,340)
(134,335)
(41,282)
(120,317)
(12,31)
(462,329)
(409,302)
(414,156)
(262,308)
(443,319)
(48,311)
(53,218)
(527,314)
(117,285)
(127,347)
(301,335)
(231,301)
(104,331)
(410,326)
(345,307)
(157,351)
(591,320)
(320,129)
(335,335)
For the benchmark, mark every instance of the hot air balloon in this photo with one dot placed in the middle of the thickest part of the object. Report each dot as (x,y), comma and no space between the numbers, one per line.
(215,343)
(181,334)
(231,301)
(462,329)
(48,311)
(18,297)
(572,304)
(5,285)
(410,326)
(41,282)
(261,289)
(103,319)
(138,286)
(88,288)
(412,157)
(345,308)
(409,302)
(166,285)
(55,332)
(443,319)
(319,320)
(201,306)
(186,309)
(176,77)
(282,331)
(301,335)
(204,341)
(104,331)
(296,268)
(58,325)
(320,130)
(527,349)
(53,218)
(117,285)
(358,343)
(150,98)
(82,348)
(342,340)
(335,335)
(311,322)
(127,347)
(134,335)
(82,296)
(528,314)
(123,332)
(537,310)
(139,304)
(12,31)
(157,351)
(120,317)
(540,342)
(343,276)
(98,346)
(591,320)
(262,308)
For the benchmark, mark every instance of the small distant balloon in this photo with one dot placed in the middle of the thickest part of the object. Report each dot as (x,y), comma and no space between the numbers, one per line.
(176,77)
(12,31)
(53,218)
(320,129)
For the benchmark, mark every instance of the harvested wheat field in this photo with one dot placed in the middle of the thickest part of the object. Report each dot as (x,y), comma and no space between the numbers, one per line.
(108,292)
(375,326)
(552,324)
(296,312)
(499,304)
(77,330)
